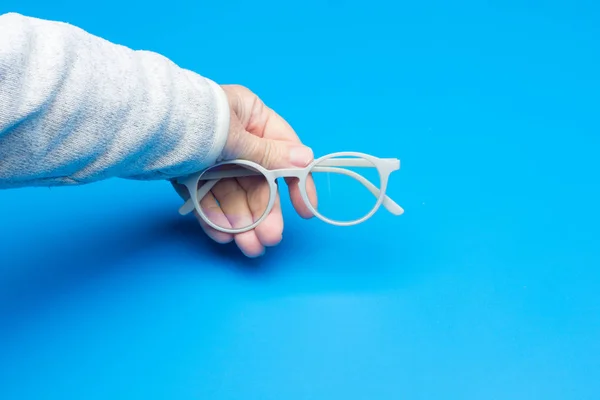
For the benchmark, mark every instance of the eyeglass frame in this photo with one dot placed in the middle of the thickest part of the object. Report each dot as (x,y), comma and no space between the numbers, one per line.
(384,166)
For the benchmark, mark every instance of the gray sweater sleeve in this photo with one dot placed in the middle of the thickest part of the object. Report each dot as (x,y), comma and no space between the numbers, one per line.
(76,109)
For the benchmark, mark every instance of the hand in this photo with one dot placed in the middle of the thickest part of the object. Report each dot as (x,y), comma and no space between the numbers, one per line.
(258,134)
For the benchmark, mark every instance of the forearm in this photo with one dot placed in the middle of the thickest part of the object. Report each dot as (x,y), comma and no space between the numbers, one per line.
(75,108)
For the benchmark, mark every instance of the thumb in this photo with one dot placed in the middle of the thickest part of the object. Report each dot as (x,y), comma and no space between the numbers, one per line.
(269,153)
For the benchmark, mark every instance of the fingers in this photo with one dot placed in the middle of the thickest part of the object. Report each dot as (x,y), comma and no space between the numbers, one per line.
(278,128)
(296,196)
(233,202)
(256,117)
(270,153)
(217,236)
(259,134)
(311,191)
(270,230)
(273,154)
(238,203)
(214,214)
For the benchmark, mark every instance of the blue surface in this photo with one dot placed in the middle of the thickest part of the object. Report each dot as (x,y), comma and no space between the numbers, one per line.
(487,288)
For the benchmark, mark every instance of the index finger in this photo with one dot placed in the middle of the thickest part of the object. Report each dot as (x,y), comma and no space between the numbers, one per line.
(278,128)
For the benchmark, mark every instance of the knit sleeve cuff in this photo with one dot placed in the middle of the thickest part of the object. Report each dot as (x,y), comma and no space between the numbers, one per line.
(221,124)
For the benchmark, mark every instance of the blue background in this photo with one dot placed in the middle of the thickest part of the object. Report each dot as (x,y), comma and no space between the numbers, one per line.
(487,288)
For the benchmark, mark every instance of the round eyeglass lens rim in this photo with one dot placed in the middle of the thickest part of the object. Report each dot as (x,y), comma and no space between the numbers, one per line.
(245,164)
(373,160)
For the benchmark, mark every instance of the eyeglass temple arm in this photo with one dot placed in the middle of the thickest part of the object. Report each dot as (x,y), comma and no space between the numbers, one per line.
(356,162)
(212,178)
(188,206)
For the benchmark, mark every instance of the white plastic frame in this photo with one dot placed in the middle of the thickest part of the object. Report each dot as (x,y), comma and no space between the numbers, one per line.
(384,166)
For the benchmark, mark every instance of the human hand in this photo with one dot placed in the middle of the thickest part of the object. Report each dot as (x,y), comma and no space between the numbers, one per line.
(259,134)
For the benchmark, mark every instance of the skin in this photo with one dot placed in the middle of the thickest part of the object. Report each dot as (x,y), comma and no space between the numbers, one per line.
(259,134)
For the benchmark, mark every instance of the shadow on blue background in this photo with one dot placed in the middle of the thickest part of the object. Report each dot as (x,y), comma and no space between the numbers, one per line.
(487,288)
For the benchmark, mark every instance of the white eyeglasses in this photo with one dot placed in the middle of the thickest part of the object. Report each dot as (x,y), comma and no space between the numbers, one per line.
(349,202)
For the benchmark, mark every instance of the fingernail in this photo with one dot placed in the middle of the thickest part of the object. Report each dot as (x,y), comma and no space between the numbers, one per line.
(301,156)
